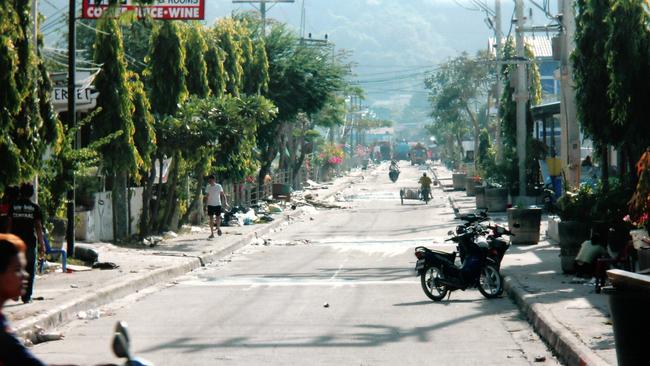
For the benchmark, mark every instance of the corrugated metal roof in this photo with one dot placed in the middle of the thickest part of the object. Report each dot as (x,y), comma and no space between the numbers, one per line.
(542,46)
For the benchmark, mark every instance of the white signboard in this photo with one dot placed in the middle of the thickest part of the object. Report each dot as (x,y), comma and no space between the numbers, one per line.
(86,99)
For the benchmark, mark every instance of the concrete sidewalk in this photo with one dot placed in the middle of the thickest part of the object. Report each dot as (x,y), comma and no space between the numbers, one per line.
(564,310)
(65,296)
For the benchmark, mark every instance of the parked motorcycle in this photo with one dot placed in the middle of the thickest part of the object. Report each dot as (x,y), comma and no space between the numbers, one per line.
(496,244)
(479,268)
(122,346)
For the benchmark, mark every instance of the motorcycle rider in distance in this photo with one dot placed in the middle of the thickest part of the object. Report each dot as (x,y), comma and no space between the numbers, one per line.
(393,171)
(425,186)
(393,166)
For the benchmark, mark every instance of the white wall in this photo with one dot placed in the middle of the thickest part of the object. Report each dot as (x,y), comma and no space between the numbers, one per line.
(97,224)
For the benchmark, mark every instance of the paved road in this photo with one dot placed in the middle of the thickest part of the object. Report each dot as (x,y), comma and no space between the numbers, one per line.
(265,304)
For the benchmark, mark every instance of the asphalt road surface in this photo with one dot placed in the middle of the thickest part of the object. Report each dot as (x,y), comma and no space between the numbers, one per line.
(335,288)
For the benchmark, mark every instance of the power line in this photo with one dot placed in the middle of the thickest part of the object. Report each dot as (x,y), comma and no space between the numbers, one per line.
(466,7)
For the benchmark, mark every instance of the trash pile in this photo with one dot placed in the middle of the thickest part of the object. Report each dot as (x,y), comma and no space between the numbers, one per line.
(256,214)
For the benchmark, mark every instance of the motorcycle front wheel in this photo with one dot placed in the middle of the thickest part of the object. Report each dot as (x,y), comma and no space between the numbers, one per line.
(427,280)
(490,283)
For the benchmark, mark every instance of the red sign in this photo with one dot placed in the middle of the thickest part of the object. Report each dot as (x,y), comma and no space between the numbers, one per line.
(158,9)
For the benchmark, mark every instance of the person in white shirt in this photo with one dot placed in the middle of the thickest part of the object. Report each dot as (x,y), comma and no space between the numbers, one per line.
(214,197)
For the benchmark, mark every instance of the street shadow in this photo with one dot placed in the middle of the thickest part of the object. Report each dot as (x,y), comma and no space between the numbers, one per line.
(364,335)
(342,274)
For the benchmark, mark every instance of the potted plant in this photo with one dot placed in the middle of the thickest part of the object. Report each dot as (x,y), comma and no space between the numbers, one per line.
(479,192)
(496,198)
(524,222)
(458,180)
(471,182)
(574,209)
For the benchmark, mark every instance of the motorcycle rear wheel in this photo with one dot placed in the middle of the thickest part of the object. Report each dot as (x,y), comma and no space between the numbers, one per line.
(490,283)
(427,280)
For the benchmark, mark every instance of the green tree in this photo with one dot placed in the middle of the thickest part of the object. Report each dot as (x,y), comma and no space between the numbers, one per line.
(216,72)
(458,90)
(629,69)
(507,172)
(301,80)
(195,48)
(165,79)
(166,71)
(26,117)
(591,76)
(226,32)
(120,157)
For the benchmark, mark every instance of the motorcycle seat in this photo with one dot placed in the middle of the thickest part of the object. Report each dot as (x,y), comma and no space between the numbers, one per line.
(447,255)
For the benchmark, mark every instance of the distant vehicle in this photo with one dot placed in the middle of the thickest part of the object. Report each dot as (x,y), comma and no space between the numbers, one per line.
(418,154)
(402,150)
(385,150)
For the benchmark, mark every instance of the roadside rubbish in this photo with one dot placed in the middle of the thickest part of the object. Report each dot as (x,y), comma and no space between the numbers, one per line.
(105,265)
(275,208)
(170,235)
(89,314)
(39,335)
(85,253)
(152,241)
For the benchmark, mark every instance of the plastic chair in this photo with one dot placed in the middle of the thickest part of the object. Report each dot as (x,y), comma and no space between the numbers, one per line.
(49,250)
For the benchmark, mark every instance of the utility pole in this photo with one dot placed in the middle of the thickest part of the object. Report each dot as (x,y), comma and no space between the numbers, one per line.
(521,97)
(497,89)
(570,150)
(35,40)
(262,8)
(72,122)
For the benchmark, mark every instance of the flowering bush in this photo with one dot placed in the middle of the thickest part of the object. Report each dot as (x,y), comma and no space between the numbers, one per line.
(639,205)
(361,152)
(331,155)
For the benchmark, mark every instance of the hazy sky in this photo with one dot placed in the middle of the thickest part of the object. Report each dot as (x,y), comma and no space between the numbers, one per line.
(393,42)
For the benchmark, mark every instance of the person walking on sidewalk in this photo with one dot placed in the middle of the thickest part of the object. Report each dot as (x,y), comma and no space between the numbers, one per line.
(25,222)
(215,197)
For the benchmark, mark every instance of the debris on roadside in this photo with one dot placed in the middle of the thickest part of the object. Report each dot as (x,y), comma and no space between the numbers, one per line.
(39,335)
(91,314)
(152,241)
(170,235)
(85,253)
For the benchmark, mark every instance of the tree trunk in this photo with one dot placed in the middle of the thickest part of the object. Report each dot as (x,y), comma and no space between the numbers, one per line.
(156,205)
(604,157)
(145,224)
(197,201)
(171,194)
(476,132)
(120,211)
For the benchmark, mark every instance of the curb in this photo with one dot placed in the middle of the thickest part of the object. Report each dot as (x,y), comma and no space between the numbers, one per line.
(66,312)
(566,345)
(563,343)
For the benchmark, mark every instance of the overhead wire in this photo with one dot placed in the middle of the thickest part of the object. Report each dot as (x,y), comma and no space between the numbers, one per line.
(466,7)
